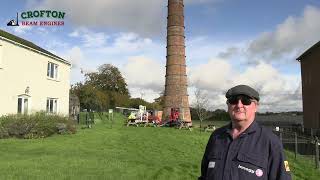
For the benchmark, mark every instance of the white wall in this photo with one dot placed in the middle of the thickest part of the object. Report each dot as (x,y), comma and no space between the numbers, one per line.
(1,57)
(22,68)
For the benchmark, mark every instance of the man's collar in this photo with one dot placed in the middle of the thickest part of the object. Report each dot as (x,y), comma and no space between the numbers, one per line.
(254,126)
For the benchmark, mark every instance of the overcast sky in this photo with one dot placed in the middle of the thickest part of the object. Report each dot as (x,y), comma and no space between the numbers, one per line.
(229,42)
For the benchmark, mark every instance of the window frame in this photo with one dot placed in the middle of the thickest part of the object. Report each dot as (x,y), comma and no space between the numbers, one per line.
(52,70)
(23,105)
(52,105)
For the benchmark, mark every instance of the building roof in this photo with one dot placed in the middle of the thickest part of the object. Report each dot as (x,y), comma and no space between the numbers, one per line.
(308,51)
(30,45)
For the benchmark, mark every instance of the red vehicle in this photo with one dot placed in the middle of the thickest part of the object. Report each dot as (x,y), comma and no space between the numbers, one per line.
(173,118)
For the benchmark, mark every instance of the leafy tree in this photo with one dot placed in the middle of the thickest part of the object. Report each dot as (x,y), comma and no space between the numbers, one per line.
(108,79)
(117,99)
(103,89)
(90,97)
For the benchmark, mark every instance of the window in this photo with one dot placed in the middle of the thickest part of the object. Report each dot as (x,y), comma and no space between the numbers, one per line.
(52,71)
(22,105)
(52,105)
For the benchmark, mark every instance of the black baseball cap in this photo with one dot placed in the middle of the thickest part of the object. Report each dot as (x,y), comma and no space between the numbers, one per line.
(243,90)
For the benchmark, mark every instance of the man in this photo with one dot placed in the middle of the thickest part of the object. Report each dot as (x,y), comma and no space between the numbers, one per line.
(242,149)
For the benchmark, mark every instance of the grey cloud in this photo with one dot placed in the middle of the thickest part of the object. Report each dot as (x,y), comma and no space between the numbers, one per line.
(145,17)
(290,38)
(142,16)
(231,51)
(156,87)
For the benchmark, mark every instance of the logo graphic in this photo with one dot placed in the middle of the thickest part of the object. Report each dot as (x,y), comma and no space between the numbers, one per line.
(212,164)
(259,172)
(31,18)
(14,22)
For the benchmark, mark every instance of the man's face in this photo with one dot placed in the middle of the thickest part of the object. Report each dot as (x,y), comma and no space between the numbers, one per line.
(242,108)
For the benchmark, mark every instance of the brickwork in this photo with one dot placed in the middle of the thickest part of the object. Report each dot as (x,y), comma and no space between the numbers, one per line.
(176,95)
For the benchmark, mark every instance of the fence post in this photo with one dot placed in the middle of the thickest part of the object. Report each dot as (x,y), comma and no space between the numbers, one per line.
(317,152)
(111,119)
(87,118)
(296,145)
(280,136)
(78,118)
(311,132)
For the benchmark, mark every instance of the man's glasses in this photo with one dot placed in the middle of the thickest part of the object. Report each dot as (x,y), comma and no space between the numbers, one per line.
(245,100)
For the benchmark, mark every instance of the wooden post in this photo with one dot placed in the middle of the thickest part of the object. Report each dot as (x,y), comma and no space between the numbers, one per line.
(280,136)
(317,152)
(296,145)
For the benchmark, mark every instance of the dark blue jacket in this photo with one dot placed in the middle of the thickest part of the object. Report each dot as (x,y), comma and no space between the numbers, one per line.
(257,153)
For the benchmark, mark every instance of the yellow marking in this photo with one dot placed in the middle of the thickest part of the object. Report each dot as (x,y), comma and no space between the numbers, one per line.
(286,165)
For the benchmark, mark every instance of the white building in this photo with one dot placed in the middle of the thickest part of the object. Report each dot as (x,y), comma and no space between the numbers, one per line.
(31,78)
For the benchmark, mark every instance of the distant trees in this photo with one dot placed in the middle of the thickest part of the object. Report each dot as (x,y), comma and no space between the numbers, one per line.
(220,115)
(106,89)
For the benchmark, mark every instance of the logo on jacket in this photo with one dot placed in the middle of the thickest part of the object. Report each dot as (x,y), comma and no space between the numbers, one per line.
(259,172)
(212,164)
(246,169)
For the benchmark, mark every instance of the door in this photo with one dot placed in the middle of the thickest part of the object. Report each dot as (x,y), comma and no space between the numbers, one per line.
(23,105)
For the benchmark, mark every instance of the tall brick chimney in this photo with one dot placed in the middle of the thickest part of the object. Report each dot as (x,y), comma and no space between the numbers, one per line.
(176,94)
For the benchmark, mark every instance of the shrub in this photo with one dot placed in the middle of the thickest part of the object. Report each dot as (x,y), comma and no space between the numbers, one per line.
(37,125)
(3,133)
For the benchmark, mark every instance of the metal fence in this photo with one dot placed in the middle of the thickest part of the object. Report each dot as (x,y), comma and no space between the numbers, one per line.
(301,142)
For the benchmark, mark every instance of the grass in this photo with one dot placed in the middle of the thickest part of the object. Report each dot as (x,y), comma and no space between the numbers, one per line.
(119,152)
(302,168)
(196,123)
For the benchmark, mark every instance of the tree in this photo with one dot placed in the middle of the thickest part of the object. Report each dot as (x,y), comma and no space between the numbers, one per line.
(201,105)
(117,99)
(108,79)
(90,97)
(159,102)
(135,102)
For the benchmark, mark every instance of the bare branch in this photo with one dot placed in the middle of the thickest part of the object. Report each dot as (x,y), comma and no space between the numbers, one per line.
(201,104)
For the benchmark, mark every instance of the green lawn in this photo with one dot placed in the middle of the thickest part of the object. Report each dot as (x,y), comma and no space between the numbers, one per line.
(119,152)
